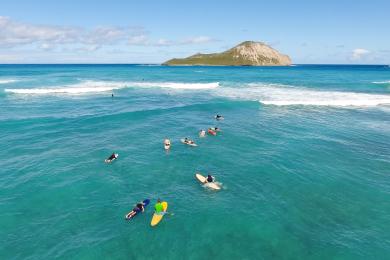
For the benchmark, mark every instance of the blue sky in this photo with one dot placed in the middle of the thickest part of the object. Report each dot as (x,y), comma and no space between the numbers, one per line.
(65,31)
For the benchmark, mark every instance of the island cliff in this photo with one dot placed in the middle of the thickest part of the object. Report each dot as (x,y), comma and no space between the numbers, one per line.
(248,53)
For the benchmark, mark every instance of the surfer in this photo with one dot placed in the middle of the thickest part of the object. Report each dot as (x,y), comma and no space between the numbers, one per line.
(140,205)
(112,157)
(212,131)
(219,117)
(158,207)
(138,208)
(188,141)
(202,133)
(210,178)
(167,144)
(112,95)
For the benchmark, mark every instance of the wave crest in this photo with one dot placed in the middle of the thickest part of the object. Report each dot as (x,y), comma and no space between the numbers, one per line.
(5,81)
(92,87)
(382,82)
(282,95)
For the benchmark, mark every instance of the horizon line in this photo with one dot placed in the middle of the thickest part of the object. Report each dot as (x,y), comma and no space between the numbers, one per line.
(292,65)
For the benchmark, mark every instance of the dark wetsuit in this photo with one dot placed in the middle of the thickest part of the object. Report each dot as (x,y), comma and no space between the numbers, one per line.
(140,206)
(210,179)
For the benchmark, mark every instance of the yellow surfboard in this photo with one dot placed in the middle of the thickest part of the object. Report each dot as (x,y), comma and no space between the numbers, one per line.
(157,217)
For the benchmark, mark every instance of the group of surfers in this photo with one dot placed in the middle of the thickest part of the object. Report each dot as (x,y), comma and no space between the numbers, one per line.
(158,207)
(210,130)
(140,208)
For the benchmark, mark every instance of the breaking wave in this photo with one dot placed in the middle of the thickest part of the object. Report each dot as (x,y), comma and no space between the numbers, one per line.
(382,82)
(267,94)
(90,86)
(281,95)
(5,81)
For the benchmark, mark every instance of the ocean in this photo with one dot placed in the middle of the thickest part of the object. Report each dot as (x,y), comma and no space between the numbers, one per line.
(303,160)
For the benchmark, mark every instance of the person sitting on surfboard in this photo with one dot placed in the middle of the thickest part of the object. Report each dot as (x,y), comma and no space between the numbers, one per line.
(188,141)
(210,178)
(167,143)
(158,207)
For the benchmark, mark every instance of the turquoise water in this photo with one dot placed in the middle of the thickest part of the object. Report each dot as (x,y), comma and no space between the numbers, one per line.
(304,162)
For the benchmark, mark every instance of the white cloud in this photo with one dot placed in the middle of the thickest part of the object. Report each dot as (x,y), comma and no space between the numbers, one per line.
(138,40)
(358,54)
(85,48)
(104,35)
(9,58)
(198,40)
(46,46)
(32,42)
(164,42)
(13,33)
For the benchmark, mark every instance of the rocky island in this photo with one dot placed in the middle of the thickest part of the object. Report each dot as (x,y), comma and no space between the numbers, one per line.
(248,53)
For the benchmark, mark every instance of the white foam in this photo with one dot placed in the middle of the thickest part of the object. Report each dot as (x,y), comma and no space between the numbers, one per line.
(57,90)
(89,86)
(176,85)
(5,81)
(337,103)
(280,95)
(382,82)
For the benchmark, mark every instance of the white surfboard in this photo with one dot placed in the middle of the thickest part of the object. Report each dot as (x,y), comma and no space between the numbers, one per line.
(203,180)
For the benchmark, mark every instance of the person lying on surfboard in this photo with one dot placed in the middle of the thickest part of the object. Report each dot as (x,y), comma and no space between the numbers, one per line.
(210,178)
(158,207)
(218,117)
(112,157)
(138,208)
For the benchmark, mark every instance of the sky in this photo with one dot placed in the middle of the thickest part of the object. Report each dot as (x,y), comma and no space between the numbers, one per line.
(153,31)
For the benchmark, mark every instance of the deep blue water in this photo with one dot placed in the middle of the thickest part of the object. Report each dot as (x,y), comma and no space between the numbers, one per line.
(303,159)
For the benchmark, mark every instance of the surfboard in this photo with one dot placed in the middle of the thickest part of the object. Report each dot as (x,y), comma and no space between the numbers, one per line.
(145,202)
(212,132)
(203,180)
(194,144)
(110,161)
(157,217)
